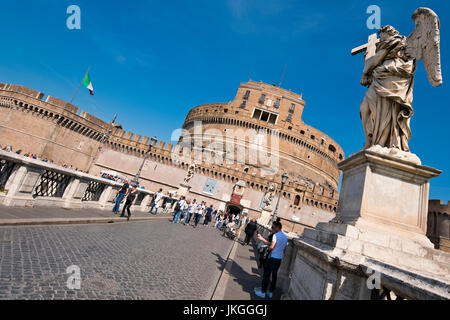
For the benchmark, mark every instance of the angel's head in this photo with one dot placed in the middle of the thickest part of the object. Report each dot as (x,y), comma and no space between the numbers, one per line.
(387,32)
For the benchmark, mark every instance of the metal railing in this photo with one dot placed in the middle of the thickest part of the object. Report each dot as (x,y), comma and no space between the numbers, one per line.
(93,191)
(6,168)
(51,184)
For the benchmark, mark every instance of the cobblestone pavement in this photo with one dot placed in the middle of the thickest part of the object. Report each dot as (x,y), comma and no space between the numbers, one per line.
(49,213)
(135,260)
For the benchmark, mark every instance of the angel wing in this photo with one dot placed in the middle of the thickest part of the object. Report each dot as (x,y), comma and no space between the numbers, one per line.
(423,43)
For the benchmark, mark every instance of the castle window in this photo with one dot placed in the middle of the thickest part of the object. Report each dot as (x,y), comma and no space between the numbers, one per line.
(323,141)
(247,95)
(265,116)
(262,98)
(289,117)
(292,108)
(273,118)
(277,103)
(332,148)
(297,200)
(243,104)
(302,132)
(313,137)
(225,110)
(257,114)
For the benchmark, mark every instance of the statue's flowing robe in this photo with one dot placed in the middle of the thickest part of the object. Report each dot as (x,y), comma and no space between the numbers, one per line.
(390,96)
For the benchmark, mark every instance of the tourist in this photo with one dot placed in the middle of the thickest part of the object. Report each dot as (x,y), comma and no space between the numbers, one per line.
(168,203)
(155,204)
(123,192)
(208,215)
(249,230)
(184,210)
(219,220)
(190,212)
(199,213)
(214,214)
(179,209)
(129,202)
(277,250)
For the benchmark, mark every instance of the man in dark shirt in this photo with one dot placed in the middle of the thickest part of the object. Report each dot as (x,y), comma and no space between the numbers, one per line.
(129,202)
(208,215)
(123,192)
(250,231)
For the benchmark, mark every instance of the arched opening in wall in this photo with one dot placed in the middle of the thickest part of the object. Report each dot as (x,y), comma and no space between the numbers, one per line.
(252,185)
(316,204)
(307,201)
(297,200)
(340,157)
(246,169)
(332,148)
(284,194)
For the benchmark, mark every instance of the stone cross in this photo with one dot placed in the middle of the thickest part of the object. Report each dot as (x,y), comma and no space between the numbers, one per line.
(370,47)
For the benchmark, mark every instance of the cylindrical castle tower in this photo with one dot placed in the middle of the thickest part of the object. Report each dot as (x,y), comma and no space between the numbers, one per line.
(260,134)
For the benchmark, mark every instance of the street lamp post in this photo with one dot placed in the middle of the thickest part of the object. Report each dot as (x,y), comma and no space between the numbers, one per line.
(284,178)
(135,181)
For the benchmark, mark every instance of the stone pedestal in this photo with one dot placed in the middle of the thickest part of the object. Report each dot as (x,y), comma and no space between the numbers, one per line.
(266,215)
(183,190)
(386,195)
(380,226)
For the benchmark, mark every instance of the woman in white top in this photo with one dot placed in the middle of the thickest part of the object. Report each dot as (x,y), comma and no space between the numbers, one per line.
(199,213)
(190,212)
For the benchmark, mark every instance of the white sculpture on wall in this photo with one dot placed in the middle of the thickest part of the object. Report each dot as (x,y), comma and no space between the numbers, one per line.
(269,195)
(190,173)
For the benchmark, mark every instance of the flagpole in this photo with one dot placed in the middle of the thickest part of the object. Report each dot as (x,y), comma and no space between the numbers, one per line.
(80,85)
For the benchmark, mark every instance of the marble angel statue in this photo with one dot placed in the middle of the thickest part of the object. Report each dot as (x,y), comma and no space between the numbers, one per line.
(389,75)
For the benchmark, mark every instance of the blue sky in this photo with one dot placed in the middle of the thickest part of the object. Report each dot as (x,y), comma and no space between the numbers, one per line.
(152,61)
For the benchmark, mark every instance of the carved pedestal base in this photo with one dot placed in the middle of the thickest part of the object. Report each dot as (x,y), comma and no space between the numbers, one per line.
(266,215)
(380,226)
(183,190)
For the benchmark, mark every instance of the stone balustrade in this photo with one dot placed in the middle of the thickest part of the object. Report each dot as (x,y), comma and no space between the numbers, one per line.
(367,279)
(27,182)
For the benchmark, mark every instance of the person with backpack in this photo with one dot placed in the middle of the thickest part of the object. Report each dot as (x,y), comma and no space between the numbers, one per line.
(277,249)
(129,202)
(178,209)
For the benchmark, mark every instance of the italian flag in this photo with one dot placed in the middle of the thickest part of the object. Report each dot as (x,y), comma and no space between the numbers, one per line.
(88,84)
